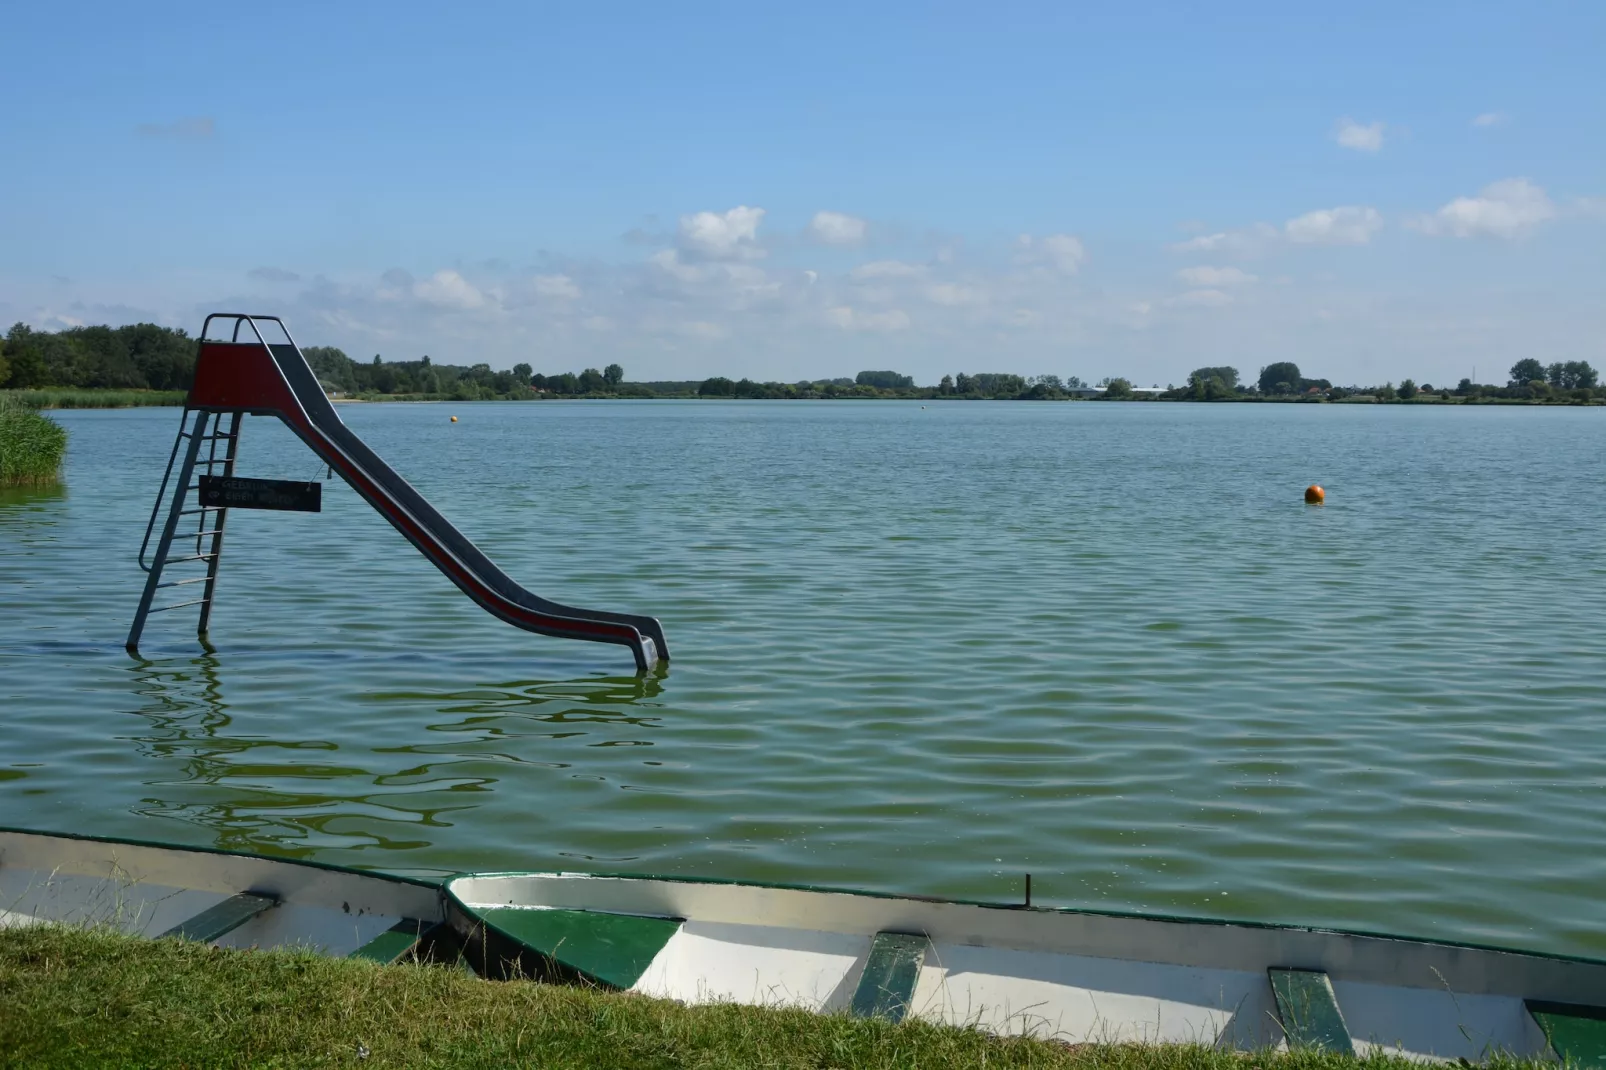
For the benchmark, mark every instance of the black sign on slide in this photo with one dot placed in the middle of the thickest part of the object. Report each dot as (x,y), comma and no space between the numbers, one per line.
(232,492)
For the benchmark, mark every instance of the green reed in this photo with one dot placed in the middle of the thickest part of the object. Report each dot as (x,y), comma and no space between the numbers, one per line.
(31,445)
(69,398)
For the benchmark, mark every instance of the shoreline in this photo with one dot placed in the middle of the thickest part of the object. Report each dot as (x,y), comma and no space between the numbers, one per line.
(112,398)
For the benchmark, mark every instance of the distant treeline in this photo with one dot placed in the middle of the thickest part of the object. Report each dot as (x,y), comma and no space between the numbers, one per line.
(887,384)
(1530,381)
(144,356)
(339,374)
(139,356)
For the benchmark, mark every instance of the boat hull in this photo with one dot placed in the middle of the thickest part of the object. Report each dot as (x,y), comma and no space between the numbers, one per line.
(233,899)
(1076,976)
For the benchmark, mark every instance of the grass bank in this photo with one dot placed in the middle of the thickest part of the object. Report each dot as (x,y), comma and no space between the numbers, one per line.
(31,445)
(69,398)
(79,997)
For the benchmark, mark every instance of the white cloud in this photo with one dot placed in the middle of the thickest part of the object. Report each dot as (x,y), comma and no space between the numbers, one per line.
(745,278)
(953,294)
(1244,242)
(837,228)
(731,235)
(448,289)
(668,261)
(1347,225)
(1204,243)
(1353,135)
(886,269)
(1063,252)
(1491,118)
(1214,276)
(1507,209)
(892,320)
(560,287)
(852,319)
(703,329)
(1202,299)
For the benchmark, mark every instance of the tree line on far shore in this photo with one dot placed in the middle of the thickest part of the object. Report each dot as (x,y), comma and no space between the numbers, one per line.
(144,356)
(138,356)
(1530,380)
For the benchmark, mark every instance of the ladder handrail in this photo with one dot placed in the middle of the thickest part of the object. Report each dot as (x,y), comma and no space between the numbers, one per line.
(183,419)
(150,525)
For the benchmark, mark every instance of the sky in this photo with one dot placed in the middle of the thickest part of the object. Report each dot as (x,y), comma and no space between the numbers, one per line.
(1373,191)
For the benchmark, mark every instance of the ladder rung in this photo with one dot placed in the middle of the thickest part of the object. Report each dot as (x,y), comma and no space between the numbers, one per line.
(191,557)
(202,509)
(198,534)
(180,605)
(180,583)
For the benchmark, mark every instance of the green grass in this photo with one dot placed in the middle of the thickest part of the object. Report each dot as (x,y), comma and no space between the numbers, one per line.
(72,398)
(31,445)
(72,997)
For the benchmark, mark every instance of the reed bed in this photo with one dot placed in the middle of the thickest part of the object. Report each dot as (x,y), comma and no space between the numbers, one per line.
(32,445)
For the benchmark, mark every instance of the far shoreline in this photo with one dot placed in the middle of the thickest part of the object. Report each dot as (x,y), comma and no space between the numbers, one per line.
(112,398)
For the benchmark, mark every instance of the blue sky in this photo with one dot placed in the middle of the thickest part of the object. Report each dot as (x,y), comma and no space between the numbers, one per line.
(1374,192)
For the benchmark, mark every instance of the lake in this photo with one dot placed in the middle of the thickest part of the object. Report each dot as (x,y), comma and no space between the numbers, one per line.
(917,649)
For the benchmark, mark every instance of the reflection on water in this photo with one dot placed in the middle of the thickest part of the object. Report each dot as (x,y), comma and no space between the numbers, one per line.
(279,796)
(15,500)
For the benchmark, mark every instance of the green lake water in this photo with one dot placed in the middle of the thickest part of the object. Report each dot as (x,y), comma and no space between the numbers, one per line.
(922,650)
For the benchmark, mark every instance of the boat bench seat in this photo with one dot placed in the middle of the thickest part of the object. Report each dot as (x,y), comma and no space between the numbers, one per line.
(891,971)
(221,918)
(1309,1011)
(1576,1033)
(396,942)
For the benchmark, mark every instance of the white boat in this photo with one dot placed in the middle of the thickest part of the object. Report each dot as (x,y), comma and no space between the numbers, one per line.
(225,898)
(1072,975)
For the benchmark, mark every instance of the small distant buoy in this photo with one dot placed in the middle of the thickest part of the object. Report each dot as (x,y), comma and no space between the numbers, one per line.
(1307,493)
(1315,495)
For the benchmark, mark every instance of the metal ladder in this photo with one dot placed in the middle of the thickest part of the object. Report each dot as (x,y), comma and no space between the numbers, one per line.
(200,433)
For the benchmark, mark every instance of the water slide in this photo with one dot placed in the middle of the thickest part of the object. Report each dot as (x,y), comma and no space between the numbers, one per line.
(274,379)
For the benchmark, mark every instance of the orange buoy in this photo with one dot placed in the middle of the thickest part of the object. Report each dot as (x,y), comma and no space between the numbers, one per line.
(1315,495)
(454,420)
